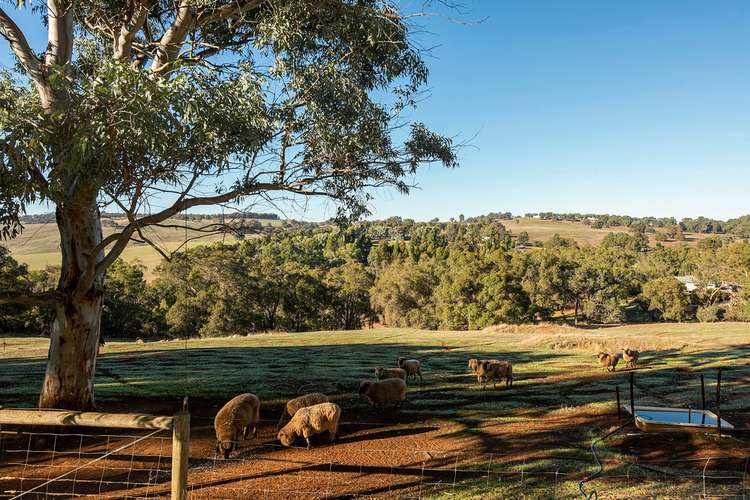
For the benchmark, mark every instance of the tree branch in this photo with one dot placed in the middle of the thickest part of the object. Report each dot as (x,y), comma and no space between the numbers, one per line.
(230,9)
(187,19)
(173,38)
(153,245)
(29,61)
(59,33)
(123,44)
(45,299)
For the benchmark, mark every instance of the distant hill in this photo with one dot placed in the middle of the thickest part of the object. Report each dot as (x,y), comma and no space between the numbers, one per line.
(38,244)
(38,247)
(49,217)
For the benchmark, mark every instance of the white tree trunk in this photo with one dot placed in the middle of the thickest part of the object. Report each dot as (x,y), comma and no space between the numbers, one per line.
(74,335)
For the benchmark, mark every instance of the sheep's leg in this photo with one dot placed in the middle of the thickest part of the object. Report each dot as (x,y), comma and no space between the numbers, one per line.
(307,439)
(218,447)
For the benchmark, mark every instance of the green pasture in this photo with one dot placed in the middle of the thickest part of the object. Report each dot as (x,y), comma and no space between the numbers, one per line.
(555,378)
(275,365)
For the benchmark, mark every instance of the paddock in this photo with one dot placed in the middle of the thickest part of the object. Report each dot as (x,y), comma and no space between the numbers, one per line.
(452,439)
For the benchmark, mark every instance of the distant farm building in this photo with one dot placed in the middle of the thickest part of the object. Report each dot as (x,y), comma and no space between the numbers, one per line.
(691,285)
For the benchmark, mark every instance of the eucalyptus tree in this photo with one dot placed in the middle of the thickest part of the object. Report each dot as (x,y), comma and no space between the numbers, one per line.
(153,107)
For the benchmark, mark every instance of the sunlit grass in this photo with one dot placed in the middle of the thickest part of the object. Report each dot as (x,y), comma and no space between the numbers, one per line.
(556,379)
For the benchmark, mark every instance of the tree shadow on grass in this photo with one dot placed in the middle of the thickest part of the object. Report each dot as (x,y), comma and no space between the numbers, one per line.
(545,410)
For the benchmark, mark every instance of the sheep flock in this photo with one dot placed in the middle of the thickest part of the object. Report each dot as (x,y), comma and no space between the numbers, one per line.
(312,414)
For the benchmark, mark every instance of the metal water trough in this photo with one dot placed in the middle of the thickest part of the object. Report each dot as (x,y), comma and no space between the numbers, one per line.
(666,419)
(663,419)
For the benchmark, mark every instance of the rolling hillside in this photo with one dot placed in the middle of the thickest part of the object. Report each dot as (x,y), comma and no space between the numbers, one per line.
(37,246)
(543,230)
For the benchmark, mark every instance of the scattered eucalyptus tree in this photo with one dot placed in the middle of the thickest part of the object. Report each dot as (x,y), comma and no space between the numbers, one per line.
(153,107)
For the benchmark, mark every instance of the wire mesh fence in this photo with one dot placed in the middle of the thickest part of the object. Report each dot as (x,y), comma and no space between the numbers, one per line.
(70,464)
(137,465)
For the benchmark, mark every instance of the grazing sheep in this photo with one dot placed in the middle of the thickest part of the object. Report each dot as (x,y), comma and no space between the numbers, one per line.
(384,373)
(630,356)
(390,390)
(234,419)
(294,405)
(474,365)
(309,421)
(412,368)
(608,361)
(494,371)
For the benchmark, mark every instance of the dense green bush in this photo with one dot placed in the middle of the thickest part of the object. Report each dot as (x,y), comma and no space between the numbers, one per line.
(711,314)
(458,276)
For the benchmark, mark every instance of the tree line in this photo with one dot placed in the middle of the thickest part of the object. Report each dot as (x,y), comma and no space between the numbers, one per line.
(49,217)
(739,226)
(398,272)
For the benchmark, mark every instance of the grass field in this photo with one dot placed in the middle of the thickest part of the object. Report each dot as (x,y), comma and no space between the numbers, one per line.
(38,245)
(560,400)
(543,230)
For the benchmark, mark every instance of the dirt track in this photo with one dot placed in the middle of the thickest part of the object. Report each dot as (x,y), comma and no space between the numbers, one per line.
(379,454)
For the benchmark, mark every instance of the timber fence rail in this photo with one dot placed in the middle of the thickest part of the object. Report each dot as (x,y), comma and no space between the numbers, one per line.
(93,454)
(144,456)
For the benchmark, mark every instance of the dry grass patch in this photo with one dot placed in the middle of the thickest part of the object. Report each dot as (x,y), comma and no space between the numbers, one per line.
(541,328)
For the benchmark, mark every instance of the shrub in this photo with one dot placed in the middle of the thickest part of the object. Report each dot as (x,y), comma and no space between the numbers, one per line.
(667,297)
(738,310)
(711,314)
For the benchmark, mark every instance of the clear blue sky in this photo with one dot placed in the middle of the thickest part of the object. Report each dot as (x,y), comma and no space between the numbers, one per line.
(630,107)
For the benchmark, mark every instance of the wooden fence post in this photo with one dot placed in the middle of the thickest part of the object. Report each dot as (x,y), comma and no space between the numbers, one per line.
(180,446)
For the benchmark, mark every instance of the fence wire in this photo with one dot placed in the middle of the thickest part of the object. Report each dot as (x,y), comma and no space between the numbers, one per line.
(49,465)
(65,465)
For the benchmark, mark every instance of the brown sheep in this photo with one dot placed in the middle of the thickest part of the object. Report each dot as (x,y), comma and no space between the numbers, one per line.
(412,367)
(630,357)
(384,373)
(235,419)
(494,371)
(390,390)
(293,405)
(608,361)
(309,421)
(474,366)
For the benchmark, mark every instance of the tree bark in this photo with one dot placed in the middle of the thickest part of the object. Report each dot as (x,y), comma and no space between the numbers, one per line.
(74,335)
